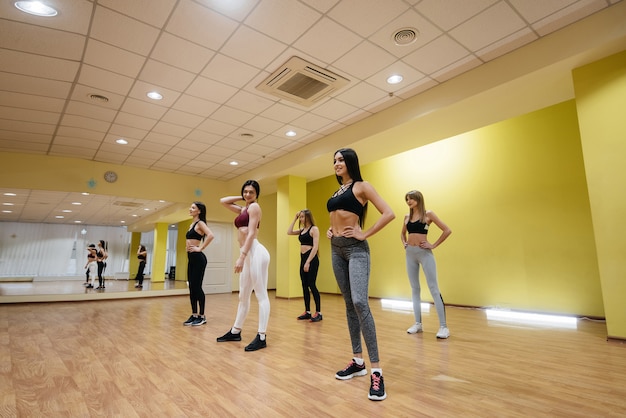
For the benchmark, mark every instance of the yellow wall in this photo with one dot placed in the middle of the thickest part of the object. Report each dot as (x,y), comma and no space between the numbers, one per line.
(601,99)
(515,196)
(267,234)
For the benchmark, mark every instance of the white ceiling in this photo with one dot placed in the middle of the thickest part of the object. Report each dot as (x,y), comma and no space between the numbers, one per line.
(206,58)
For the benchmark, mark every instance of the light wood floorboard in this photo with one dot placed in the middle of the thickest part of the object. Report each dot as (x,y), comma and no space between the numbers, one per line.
(134,358)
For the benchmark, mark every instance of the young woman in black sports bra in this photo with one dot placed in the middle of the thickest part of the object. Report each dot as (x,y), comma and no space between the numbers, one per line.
(309,236)
(351,262)
(199,236)
(102,255)
(253,264)
(142,255)
(419,252)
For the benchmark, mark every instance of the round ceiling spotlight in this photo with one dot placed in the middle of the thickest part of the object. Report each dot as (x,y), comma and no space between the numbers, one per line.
(36,8)
(405,36)
(154,95)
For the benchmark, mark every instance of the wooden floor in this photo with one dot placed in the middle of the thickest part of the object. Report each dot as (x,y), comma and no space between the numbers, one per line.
(134,358)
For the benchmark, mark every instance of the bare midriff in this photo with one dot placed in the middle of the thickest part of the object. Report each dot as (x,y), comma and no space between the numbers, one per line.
(414,239)
(340,220)
(242,234)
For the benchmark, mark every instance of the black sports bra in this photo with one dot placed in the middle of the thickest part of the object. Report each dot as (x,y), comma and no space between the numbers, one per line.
(193,234)
(306,238)
(345,201)
(417,227)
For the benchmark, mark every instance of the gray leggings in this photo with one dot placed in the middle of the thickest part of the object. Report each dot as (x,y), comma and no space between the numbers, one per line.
(414,257)
(351,265)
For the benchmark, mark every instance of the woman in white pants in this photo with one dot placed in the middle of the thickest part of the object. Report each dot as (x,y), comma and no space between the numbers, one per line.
(253,263)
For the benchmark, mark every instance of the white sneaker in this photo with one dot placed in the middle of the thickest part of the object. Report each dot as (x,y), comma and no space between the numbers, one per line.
(443,333)
(415,328)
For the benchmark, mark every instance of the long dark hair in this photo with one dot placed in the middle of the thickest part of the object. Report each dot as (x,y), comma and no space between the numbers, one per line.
(352,164)
(202,207)
(254,184)
(103,244)
(354,170)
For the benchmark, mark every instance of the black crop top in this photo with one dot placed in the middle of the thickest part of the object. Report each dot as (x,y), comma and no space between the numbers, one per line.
(306,238)
(141,256)
(193,234)
(345,201)
(417,227)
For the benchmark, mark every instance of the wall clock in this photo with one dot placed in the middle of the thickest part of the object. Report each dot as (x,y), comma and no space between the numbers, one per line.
(110,176)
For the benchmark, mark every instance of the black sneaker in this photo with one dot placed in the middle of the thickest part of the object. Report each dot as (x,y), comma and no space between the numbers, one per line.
(198,321)
(317,317)
(256,344)
(190,320)
(351,370)
(305,315)
(229,336)
(377,388)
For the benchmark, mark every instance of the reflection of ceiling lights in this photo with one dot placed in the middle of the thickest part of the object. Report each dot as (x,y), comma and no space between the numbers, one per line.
(36,8)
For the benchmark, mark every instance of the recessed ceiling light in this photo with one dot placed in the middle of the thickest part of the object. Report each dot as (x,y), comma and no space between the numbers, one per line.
(121,141)
(76,203)
(66,211)
(59,217)
(36,8)
(146,208)
(8,204)
(154,95)
(10,194)
(233,163)
(85,194)
(395,79)
(7,211)
(134,215)
(77,222)
(290,133)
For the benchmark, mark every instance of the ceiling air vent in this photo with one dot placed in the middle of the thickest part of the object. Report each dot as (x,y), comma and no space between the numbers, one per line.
(301,82)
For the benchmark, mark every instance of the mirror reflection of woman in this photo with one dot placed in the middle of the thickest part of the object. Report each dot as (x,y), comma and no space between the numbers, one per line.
(309,236)
(142,254)
(102,255)
(199,236)
(252,263)
(91,265)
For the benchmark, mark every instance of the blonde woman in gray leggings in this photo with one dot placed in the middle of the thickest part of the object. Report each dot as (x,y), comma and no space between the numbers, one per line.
(419,252)
(351,263)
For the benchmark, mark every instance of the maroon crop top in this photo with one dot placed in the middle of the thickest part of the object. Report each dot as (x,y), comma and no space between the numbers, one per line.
(243,219)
